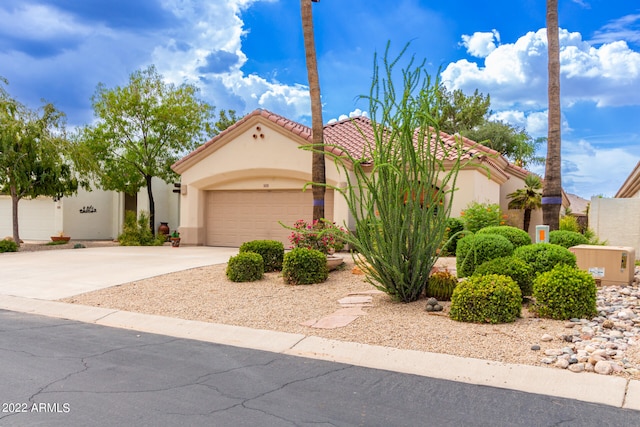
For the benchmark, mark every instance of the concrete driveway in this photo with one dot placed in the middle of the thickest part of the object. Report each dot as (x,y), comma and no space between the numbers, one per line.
(56,274)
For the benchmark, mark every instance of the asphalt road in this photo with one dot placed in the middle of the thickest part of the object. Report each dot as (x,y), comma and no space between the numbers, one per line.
(64,373)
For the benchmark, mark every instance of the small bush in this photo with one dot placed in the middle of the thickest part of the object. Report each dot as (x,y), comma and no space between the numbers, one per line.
(521,272)
(566,239)
(272,253)
(441,285)
(79,246)
(544,256)
(481,215)
(449,244)
(569,223)
(8,246)
(136,231)
(476,249)
(304,266)
(486,299)
(516,236)
(245,267)
(565,292)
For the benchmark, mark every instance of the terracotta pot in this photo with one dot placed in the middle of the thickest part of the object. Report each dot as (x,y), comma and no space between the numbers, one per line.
(175,242)
(60,238)
(163,228)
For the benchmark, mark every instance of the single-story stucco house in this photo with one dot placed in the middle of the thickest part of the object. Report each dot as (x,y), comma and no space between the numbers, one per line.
(89,215)
(242,183)
(616,219)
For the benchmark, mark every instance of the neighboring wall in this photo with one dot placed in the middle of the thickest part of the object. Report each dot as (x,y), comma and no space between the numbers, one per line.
(616,221)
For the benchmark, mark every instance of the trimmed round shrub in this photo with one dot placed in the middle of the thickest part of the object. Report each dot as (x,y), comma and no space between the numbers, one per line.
(454,226)
(476,249)
(486,299)
(441,285)
(304,266)
(566,239)
(544,256)
(516,236)
(8,246)
(565,292)
(272,253)
(245,267)
(521,272)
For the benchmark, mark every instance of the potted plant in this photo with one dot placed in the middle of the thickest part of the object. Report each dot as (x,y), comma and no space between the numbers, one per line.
(175,239)
(60,237)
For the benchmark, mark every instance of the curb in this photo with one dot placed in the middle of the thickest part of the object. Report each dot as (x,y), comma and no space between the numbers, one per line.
(606,390)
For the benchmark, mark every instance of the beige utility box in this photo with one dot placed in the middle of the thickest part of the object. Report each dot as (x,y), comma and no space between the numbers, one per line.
(610,265)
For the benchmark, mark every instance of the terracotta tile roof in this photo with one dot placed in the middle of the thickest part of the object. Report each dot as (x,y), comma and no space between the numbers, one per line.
(354,135)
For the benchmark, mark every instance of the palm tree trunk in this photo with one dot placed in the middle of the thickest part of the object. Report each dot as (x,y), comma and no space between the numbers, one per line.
(552,190)
(317,163)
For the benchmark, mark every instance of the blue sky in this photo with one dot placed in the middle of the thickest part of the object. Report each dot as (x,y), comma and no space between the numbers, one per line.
(247,54)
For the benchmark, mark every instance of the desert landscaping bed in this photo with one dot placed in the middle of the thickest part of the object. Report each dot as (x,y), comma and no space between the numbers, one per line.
(205,294)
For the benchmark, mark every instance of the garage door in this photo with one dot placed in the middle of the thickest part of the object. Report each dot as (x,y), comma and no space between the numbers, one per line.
(235,217)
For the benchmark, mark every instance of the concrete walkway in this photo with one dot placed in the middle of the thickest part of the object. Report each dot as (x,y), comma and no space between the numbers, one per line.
(29,280)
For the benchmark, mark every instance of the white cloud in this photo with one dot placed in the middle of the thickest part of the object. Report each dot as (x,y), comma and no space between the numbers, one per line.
(481,44)
(534,122)
(231,89)
(516,73)
(40,22)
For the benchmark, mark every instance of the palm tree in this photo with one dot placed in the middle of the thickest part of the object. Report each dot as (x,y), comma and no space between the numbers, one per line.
(552,190)
(317,163)
(527,198)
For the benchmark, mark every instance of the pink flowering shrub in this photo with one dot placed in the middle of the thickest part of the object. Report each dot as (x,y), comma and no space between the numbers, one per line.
(324,236)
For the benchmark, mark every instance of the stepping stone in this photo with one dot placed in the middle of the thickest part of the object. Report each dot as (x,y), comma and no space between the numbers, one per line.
(353,300)
(334,321)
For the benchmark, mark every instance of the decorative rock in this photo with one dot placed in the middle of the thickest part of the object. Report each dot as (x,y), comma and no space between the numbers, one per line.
(562,363)
(603,368)
(608,324)
(437,307)
(535,347)
(578,367)
(548,360)
(553,352)
(546,338)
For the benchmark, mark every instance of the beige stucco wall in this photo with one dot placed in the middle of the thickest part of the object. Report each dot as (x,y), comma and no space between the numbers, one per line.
(36,218)
(473,185)
(616,221)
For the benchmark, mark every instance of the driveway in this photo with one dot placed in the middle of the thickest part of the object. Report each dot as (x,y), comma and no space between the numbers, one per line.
(52,275)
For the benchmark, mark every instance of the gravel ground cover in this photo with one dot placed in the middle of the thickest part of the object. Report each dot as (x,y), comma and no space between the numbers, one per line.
(205,294)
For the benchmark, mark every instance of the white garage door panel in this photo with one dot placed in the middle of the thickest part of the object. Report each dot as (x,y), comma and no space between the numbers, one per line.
(36,218)
(235,217)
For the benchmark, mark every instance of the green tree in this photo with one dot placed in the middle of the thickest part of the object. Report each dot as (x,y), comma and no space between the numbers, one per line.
(457,112)
(552,189)
(527,199)
(142,129)
(402,205)
(513,142)
(225,119)
(318,173)
(34,154)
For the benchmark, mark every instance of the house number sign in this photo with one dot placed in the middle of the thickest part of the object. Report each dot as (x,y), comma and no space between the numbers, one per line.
(88,209)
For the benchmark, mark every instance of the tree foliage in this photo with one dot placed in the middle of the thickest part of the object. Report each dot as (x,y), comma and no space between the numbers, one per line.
(142,129)
(469,115)
(513,142)
(35,155)
(397,232)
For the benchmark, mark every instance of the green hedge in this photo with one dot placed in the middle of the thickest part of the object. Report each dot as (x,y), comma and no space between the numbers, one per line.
(486,299)
(245,267)
(566,239)
(516,236)
(565,292)
(544,256)
(272,253)
(521,272)
(304,266)
(476,249)
(8,246)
